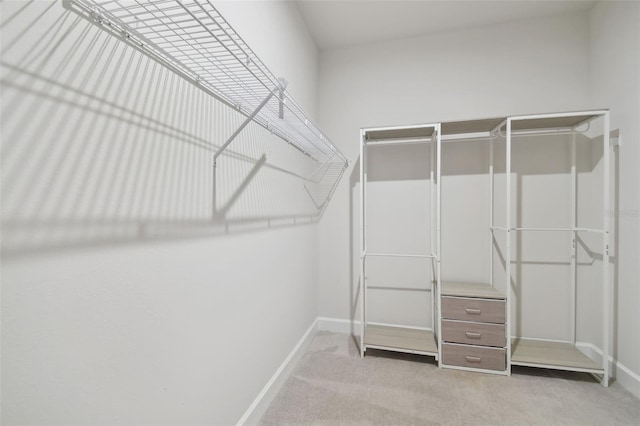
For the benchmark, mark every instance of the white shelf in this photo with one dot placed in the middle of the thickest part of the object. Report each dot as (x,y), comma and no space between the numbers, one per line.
(452,130)
(553,355)
(483,125)
(381,135)
(463,289)
(192,39)
(400,339)
(553,121)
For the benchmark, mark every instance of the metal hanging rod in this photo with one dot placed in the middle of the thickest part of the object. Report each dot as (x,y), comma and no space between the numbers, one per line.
(594,230)
(557,123)
(399,142)
(193,39)
(424,256)
(559,229)
(463,137)
(556,132)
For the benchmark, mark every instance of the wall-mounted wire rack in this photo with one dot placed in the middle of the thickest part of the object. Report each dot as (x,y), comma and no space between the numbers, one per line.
(191,38)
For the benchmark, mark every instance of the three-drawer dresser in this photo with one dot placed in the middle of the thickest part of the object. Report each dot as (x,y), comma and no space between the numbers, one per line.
(473,327)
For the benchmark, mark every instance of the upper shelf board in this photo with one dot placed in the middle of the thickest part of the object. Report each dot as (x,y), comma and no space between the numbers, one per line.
(471,126)
(464,289)
(553,121)
(483,126)
(566,120)
(380,134)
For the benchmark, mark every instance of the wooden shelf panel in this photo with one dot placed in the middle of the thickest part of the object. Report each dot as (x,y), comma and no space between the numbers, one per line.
(400,339)
(409,132)
(555,355)
(462,289)
(550,122)
(471,126)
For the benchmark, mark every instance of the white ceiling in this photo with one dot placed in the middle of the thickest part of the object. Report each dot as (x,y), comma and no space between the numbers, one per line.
(335,23)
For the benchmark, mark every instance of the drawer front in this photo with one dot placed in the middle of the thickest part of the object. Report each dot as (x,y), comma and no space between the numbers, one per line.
(464,309)
(474,357)
(474,333)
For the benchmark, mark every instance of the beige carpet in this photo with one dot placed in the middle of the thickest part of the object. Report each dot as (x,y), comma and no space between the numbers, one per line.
(333,385)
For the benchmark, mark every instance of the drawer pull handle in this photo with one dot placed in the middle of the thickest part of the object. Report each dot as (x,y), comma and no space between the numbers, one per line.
(472,335)
(472,311)
(473,358)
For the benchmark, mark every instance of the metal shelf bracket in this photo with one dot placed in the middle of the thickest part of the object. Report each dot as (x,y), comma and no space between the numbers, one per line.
(244,124)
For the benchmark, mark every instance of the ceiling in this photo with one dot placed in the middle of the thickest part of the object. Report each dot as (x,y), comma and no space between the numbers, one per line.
(335,23)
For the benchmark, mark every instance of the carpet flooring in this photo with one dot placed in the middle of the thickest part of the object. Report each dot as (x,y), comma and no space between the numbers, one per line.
(332,385)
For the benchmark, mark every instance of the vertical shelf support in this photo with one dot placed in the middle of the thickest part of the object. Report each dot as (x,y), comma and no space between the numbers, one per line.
(363,240)
(491,224)
(438,324)
(495,132)
(507,256)
(574,237)
(606,287)
(435,312)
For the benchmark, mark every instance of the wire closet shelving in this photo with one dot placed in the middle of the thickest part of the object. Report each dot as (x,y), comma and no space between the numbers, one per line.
(518,349)
(193,39)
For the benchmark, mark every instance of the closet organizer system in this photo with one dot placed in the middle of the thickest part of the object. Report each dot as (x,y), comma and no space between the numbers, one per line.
(193,40)
(472,323)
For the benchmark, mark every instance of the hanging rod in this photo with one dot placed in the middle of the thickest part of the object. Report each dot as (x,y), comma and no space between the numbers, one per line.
(193,39)
(549,132)
(558,229)
(423,256)
(500,228)
(399,141)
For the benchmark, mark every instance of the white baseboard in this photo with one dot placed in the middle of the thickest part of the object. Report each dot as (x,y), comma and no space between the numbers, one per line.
(620,372)
(270,390)
(338,325)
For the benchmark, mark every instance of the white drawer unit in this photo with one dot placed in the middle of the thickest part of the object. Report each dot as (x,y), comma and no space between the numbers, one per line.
(473,328)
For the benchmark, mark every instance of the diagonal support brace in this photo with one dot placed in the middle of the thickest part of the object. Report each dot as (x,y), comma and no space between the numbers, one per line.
(249,119)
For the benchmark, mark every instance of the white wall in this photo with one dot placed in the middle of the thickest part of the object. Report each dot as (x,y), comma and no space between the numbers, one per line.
(615,82)
(122,303)
(520,67)
(399,196)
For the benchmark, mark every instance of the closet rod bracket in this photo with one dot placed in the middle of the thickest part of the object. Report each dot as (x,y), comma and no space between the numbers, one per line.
(282,85)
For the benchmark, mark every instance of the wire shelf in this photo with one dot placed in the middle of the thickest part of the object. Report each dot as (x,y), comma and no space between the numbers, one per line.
(323,182)
(192,38)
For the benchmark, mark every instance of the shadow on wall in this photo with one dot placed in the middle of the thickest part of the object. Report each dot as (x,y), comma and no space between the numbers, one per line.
(103,145)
